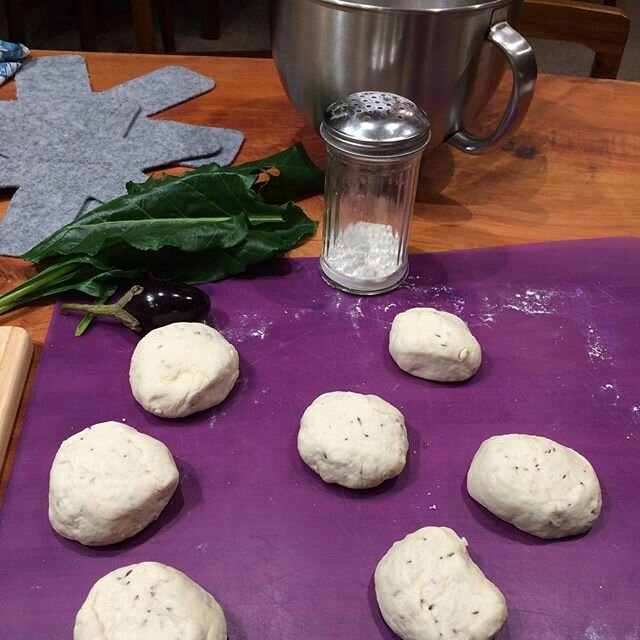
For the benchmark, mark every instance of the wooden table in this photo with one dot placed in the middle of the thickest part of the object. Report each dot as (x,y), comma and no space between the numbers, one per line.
(571,171)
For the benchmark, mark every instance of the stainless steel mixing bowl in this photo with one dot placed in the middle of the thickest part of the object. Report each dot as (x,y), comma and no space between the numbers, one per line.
(448,56)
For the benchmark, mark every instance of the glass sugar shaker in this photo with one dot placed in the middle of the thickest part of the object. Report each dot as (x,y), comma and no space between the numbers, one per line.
(375,142)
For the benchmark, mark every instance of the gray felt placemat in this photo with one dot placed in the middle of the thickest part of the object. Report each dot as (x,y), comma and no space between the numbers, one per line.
(68,149)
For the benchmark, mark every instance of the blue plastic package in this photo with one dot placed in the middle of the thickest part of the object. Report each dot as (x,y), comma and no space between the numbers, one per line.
(10,53)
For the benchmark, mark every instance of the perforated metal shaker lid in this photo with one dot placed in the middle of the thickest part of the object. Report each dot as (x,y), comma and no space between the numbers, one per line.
(375,123)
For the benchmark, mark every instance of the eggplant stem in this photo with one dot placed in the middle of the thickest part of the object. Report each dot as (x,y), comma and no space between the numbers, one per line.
(115,310)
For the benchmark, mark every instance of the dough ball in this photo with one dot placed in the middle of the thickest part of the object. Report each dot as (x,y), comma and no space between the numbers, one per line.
(434,345)
(108,482)
(536,484)
(353,440)
(182,368)
(428,588)
(149,601)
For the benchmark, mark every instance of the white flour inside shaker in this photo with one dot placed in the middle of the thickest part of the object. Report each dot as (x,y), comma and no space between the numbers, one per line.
(365,250)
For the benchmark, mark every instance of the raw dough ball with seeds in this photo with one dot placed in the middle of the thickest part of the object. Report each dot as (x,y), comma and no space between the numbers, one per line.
(149,601)
(353,440)
(428,588)
(108,482)
(434,345)
(182,368)
(536,484)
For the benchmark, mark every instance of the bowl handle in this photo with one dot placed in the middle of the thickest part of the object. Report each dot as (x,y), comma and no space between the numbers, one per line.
(525,71)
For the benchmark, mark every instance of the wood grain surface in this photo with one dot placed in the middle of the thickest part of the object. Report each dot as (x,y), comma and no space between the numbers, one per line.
(569,173)
(16,349)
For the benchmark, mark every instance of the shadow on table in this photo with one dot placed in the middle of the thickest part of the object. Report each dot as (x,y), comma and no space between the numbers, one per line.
(235,631)
(385,632)
(508,178)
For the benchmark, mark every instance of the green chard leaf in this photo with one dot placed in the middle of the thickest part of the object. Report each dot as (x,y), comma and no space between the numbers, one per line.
(199,227)
(194,213)
(291,175)
(63,275)
(262,242)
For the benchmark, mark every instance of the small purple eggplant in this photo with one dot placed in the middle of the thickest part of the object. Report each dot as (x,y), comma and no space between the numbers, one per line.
(151,305)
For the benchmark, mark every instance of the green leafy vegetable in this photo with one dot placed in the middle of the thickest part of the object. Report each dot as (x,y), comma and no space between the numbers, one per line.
(199,227)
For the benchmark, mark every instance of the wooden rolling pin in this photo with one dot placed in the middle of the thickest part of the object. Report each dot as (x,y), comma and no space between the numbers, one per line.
(16,349)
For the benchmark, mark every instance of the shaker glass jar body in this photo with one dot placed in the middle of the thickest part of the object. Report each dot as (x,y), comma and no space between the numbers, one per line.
(374,144)
(369,204)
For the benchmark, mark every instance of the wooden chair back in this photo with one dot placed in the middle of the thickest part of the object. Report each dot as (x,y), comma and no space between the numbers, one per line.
(603,29)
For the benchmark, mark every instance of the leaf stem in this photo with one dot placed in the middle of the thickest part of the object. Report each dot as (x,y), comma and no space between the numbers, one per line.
(83,325)
(87,319)
(36,286)
(265,218)
(115,310)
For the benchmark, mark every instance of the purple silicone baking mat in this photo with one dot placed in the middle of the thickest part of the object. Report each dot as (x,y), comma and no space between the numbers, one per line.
(289,557)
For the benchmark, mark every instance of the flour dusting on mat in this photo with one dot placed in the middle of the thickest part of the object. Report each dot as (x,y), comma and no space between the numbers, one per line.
(203,548)
(486,318)
(247,326)
(259,333)
(528,301)
(600,631)
(350,306)
(612,392)
(442,297)
(534,302)
(356,311)
(596,349)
